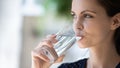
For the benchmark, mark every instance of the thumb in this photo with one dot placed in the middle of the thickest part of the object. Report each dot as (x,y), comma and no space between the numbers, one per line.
(60,59)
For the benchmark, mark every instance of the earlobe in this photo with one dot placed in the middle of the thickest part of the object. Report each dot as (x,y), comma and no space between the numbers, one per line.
(116,22)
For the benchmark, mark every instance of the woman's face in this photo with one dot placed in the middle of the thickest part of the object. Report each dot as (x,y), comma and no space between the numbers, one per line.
(91,23)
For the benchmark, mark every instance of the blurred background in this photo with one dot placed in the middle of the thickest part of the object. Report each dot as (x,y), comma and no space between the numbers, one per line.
(23,23)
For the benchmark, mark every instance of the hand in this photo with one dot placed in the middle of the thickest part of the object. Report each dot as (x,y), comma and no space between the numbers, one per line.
(39,60)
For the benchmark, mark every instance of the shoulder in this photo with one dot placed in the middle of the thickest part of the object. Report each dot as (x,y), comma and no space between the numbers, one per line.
(78,64)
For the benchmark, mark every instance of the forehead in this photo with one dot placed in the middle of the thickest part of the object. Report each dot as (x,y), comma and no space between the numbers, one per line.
(79,5)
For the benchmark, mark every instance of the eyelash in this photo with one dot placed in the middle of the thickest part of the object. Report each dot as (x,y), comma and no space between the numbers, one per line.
(87,16)
(73,15)
(84,15)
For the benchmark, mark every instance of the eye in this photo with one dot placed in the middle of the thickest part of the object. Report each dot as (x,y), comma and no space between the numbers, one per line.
(87,16)
(73,15)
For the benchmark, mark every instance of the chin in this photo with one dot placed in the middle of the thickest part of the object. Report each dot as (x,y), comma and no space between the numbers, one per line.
(83,45)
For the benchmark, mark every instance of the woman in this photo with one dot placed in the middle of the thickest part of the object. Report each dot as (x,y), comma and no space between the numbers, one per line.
(98,23)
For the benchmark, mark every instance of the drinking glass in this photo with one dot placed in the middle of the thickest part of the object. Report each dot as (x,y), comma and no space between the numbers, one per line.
(66,38)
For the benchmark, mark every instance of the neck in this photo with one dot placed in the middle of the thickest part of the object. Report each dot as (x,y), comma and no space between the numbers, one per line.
(104,54)
(103,57)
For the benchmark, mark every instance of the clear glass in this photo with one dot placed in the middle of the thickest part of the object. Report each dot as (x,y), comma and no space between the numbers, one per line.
(66,39)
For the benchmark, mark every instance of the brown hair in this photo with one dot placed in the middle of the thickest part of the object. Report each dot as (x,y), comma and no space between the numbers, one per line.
(112,8)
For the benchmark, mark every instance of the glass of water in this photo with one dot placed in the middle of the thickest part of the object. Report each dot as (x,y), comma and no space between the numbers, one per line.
(66,38)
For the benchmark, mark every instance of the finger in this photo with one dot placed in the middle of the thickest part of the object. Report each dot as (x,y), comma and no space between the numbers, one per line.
(36,55)
(45,42)
(48,51)
(60,59)
(52,38)
(44,52)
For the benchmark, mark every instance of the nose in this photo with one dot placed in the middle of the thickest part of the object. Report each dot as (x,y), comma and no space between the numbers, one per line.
(78,25)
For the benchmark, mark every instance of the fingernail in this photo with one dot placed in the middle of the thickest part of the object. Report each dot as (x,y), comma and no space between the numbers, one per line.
(54,35)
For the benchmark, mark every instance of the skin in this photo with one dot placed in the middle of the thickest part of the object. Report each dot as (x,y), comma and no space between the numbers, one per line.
(39,60)
(96,29)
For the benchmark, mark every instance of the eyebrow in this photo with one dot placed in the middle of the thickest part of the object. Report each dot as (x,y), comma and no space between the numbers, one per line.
(88,11)
(85,11)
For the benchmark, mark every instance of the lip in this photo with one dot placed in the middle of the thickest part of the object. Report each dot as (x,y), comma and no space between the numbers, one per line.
(78,34)
(79,37)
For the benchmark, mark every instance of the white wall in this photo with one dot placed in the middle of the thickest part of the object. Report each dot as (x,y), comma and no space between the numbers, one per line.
(10,33)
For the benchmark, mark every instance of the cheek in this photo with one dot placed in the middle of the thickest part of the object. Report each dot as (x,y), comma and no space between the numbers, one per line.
(95,33)
(97,28)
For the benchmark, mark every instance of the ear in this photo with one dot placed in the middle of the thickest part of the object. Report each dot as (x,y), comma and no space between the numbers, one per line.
(115,22)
